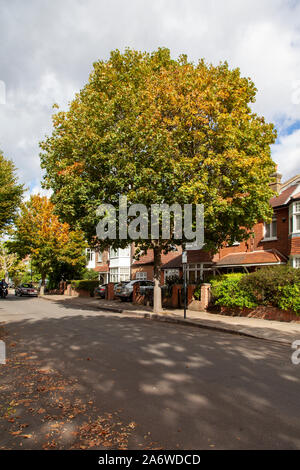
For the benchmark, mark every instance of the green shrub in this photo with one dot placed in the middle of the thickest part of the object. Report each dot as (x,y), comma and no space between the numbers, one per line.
(89,274)
(227,291)
(266,284)
(85,284)
(197,292)
(290,298)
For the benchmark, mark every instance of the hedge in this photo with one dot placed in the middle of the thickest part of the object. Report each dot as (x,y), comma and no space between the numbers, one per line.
(278,286)
(85,284)
(228,292)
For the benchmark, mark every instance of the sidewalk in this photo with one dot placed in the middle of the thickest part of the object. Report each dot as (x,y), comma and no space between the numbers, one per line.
(282,332)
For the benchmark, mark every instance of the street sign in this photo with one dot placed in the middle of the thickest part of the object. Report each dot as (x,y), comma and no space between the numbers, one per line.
(184,257)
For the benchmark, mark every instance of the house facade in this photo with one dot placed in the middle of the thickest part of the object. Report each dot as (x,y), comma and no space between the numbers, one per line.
(270,244)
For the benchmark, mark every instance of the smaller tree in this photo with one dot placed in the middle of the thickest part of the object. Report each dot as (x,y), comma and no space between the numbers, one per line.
(11,266)
(51,245)
(10,193)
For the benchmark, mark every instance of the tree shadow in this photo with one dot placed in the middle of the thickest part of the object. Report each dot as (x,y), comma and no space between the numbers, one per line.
(189,388)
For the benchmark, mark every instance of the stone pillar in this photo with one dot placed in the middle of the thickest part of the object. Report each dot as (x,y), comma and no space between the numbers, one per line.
(68,290)
(205,296)
(109,294)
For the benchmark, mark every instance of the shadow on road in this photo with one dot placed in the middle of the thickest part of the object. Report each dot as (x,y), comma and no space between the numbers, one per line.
(187,387)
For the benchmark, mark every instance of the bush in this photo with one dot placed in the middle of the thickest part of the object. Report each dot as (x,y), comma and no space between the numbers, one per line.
(197,292)
(228,292)
(267,284)
(290,298)
(278,286)
(85,284)
(89,274)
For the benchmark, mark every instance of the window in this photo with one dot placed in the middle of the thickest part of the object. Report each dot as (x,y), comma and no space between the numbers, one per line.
(113,275)
(270,230)
(89,255)
(296,262)
(141,276)
(195,272)
(99,257)
(113,253)
(120,253)
(119,274)
(124,274)
(294,217)
(171,273)
(124,252)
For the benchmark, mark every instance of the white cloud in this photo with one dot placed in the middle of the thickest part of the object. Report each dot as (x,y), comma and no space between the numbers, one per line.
(47,51)
(287,154)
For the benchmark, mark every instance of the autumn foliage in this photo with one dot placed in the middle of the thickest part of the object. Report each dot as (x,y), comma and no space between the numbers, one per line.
(41,235)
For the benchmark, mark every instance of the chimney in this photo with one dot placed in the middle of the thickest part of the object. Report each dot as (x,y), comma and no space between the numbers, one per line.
(276,181)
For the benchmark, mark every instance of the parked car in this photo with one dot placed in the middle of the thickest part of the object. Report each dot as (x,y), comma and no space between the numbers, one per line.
(126,291)
(100,291)
(26,289)
(119,286)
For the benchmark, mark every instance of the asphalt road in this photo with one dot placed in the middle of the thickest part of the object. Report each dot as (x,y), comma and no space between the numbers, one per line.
(184,387)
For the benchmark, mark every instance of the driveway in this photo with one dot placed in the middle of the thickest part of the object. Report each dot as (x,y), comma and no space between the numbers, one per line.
(89,379)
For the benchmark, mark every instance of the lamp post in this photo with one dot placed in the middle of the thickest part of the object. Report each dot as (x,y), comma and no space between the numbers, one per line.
(184,263)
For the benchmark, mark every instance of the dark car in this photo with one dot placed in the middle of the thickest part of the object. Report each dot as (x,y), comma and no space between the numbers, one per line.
(126,291)
(26,289)
(100,291)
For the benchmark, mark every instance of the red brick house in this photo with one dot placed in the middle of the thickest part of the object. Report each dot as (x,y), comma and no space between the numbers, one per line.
(270,244)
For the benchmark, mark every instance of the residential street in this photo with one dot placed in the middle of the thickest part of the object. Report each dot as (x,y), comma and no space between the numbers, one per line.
(140,383)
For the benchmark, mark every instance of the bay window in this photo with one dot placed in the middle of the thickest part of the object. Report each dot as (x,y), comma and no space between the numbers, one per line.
(294,217)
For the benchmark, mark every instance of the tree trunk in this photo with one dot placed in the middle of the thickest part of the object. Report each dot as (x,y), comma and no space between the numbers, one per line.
(42,288)
(157,276)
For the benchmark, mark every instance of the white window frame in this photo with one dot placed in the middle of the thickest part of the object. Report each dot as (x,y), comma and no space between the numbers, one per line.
(90,258)
(295,262)
(171,273)
(141,276)
(272,236)
(89,254)
(294,217)
(113,253)
(119,274)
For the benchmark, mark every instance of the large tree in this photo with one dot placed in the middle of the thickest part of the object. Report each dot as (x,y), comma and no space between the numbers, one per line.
(160,130)
(49,242)
(10,192)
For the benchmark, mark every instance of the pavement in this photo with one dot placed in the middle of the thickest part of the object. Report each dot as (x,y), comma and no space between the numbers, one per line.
(283,332)
(76,374)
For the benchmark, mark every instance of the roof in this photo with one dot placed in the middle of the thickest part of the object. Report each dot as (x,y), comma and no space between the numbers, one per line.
(283,197)
(296,196)
(173,263)
(165,258)
(251,258)
(102,269)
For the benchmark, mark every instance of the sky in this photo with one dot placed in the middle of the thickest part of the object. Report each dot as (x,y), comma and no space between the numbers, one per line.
(47,48)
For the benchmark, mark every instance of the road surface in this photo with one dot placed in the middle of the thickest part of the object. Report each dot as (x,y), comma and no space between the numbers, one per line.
(174,386)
